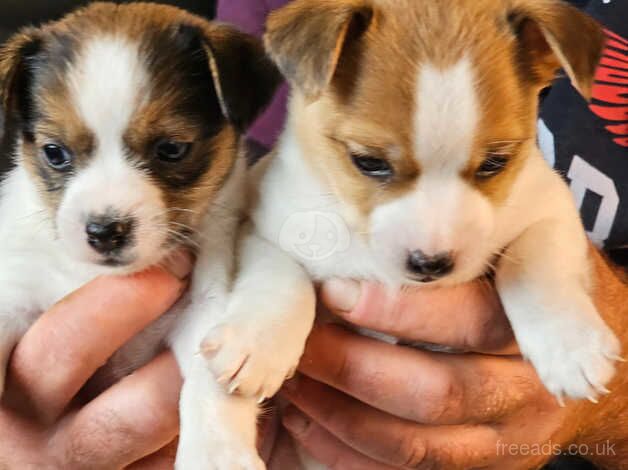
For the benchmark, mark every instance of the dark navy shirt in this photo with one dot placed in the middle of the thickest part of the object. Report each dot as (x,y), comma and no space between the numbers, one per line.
(588,142)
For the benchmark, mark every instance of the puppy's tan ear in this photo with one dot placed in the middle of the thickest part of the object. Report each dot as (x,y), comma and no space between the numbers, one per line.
(245,79)
(553,35)
(306,39)
(17,66)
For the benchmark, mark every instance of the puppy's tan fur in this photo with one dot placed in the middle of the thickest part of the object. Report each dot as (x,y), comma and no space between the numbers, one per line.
(361,106)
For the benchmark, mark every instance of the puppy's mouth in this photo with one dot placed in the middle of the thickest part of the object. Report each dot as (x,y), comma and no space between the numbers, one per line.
(137,251)
(115,262)
(420,279)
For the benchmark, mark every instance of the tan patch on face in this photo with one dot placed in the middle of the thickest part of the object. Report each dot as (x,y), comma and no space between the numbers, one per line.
(209,162)
(507,125)
(331,143)
(59,124)
(177,105)
(376,107)
(372,101)
(198,197)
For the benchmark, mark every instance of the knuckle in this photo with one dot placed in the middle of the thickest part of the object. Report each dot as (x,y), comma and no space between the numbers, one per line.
(342,369)
(443,400)
(411,452)
(90,441)
(479,335)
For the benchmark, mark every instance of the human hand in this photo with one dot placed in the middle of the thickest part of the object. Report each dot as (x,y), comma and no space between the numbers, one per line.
(41,425)
(363,404)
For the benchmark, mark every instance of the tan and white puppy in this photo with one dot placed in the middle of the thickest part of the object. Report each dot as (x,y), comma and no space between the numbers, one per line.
(124,122)
(410,158)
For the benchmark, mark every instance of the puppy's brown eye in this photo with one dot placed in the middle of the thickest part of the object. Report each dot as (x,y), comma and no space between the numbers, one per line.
(171,151)
(373,167)
(57,157)
(493,165)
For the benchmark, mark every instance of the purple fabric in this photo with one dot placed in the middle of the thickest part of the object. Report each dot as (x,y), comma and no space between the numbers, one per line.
(250,17)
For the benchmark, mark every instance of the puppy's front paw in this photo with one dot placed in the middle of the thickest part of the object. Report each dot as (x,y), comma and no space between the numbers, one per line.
(577,360)
(249,362)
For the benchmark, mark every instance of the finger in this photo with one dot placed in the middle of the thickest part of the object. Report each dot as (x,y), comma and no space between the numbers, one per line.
(417,385)
(468,317)
(325,448)
(388,439)
(133,419)
(76,336)
(163,459)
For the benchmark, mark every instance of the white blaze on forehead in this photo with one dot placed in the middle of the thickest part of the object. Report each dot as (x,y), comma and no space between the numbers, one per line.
(106,85)
(447,116)
(443,213)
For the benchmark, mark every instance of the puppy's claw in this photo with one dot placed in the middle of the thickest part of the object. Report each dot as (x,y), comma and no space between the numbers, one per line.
(603,390)
(224,379)
(233,388)
(561,400)
(617,358)
(261,399)
(593,400)
(209,349)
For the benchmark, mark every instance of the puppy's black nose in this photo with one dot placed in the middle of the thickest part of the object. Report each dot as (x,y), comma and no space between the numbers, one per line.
(432,267)
(108,236)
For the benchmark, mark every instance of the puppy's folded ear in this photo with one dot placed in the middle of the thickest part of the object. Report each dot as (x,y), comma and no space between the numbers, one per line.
(18,60)
(245,79)
(306,39)
(552,35)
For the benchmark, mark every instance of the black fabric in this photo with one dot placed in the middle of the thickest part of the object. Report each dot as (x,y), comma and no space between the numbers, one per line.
(570,463)
(589,142)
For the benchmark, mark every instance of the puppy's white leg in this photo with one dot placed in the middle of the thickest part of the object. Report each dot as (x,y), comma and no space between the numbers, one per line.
(271,312)
(543,281)
(218,430)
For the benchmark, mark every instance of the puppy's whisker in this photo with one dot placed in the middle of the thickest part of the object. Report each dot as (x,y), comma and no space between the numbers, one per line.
(506,256)
(187,228)
(33,214)
(178,236)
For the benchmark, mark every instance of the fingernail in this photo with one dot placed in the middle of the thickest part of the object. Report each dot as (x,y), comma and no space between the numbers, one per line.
(341,294)
(295,421)
(179,264)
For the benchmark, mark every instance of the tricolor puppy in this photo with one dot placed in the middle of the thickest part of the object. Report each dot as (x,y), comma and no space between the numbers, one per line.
(410,158)
(124,122)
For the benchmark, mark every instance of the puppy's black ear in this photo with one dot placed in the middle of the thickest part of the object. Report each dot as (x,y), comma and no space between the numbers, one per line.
(245,79)
(553,35)
(306,39)
(18,59)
